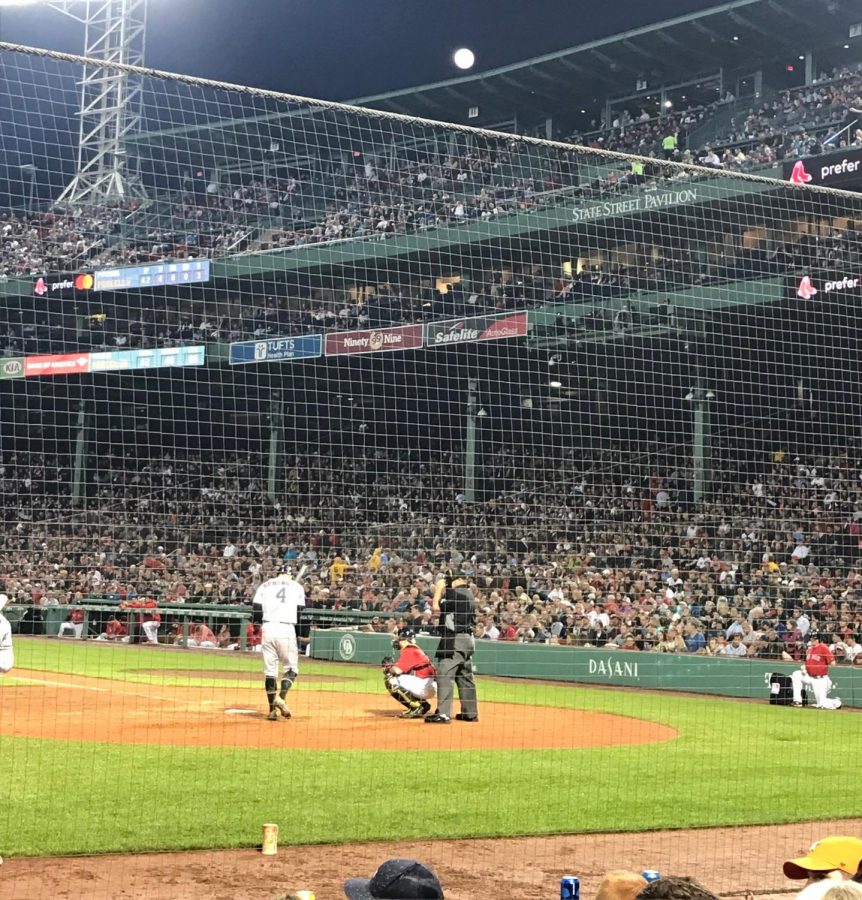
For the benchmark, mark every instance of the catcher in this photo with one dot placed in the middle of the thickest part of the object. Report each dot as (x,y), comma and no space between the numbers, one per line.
(410,679)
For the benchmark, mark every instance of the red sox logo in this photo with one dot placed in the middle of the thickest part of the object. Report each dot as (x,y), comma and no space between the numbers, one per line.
(799,175)
(806,289)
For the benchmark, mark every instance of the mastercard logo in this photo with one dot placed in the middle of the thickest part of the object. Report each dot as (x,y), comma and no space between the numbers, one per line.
(83,282)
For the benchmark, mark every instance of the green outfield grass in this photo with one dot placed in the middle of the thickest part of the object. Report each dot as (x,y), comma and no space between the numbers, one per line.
(734,762)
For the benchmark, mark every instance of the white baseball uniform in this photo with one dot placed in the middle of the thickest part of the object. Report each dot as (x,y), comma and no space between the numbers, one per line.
(814,675)
(421,688)
(7,657)
(280,600)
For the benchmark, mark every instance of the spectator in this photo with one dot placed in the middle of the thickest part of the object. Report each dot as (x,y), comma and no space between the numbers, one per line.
(396,879)
(672,887)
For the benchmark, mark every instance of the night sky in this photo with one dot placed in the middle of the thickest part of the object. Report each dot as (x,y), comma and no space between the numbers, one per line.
(339,49)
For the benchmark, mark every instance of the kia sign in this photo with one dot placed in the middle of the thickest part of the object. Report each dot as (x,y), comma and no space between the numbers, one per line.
(12,368)
(63,364)
(844,167)
(476,328)
(384,340)
(307,346)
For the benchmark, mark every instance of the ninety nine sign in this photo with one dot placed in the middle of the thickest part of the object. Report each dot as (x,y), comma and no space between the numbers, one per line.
(406,337)
(65,364)
(478,328)
(308,346)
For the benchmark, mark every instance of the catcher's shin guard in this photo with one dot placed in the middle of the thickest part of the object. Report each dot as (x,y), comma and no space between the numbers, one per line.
(270,691)
(403,697)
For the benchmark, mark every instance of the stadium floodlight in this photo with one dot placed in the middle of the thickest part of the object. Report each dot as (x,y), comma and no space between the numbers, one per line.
(109,101)
(556,383)
(464,58)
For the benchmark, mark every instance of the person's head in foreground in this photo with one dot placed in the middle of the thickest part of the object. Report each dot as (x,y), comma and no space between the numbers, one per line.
(621,884)
(676,887)
(844,890)
(831,860)
(396,879)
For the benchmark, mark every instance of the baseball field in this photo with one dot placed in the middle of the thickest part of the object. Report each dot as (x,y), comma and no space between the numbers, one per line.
(109,748)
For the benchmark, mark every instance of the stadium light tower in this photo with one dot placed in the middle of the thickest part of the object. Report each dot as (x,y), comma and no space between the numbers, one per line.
(109,101)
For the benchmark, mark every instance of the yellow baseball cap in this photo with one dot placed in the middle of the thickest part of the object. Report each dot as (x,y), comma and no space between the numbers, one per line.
(843,854)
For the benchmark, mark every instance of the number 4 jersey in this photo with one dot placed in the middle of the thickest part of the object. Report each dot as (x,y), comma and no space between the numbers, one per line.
(280,600)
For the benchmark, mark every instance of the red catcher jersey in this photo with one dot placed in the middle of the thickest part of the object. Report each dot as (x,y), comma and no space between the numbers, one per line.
(818,659)
(412,657)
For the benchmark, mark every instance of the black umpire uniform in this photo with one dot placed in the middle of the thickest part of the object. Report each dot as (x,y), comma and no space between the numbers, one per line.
(455,651)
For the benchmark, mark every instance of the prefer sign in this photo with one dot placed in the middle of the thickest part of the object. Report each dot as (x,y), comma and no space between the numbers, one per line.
(478,328)
(406,337)
(843,167)
(305,347)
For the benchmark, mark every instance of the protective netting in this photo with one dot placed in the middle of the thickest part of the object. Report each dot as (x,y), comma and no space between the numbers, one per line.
(619,395)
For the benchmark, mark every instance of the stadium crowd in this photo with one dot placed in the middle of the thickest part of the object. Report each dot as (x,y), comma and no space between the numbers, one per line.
(796,123)
(589,552)
(657,267)
(376,197)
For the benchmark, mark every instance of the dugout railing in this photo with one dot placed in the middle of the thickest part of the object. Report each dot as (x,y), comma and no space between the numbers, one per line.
(97,611)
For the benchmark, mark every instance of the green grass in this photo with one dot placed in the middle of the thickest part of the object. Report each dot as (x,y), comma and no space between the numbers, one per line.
(733,762)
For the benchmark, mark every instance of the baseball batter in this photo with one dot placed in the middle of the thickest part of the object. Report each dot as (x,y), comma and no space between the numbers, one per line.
(276,605)
(7,657)
(814,675)
(410,678)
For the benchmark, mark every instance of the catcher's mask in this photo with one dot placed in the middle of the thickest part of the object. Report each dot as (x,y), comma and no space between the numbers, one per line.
(403,637)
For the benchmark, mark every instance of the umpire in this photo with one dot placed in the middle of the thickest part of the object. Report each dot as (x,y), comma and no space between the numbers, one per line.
(454,601)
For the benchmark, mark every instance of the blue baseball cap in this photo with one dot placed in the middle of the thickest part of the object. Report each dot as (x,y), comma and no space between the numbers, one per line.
(396,879)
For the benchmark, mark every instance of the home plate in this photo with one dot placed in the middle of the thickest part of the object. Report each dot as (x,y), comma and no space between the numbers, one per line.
(241,711)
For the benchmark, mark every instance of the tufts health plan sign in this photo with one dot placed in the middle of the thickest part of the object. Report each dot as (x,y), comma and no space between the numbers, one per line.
(307,346)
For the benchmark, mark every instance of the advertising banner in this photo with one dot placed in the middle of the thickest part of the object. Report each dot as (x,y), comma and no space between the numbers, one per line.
(841,168)
(825,285)
(61,364)
(12,368)
(384,340)
(307,346)
(477,328)
(191,271)
(134,360)
(64,285)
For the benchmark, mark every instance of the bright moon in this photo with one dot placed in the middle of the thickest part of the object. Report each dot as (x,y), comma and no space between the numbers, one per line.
(464,58)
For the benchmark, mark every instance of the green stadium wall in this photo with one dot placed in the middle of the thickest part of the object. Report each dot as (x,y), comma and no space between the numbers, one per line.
(657,671)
